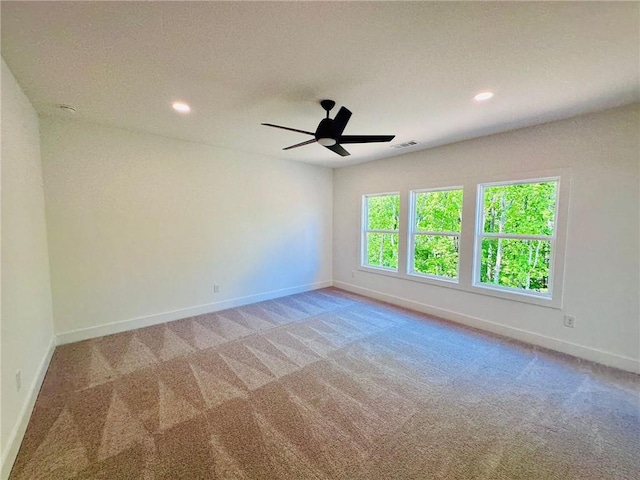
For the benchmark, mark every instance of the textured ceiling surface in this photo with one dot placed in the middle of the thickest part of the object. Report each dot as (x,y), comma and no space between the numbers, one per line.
(404,68)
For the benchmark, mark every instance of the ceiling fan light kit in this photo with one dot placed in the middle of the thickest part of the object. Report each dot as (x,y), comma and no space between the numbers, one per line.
(327,141)
(329,131)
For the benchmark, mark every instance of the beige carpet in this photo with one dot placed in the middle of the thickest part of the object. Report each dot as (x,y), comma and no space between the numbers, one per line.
(327,385)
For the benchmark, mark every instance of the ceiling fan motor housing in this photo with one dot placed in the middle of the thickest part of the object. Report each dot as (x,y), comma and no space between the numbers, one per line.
(325,129)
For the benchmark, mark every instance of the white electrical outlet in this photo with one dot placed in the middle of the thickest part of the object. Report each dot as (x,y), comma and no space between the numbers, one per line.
(353,274)
(216,288)
(18,380)
(569,321)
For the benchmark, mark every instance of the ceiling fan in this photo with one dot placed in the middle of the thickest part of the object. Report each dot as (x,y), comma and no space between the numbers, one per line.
(329,131)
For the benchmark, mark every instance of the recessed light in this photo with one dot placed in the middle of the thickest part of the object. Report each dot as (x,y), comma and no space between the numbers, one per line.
(482,96)
(181,107)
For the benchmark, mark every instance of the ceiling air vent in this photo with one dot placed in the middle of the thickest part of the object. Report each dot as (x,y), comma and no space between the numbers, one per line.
(67,108)
(405,144)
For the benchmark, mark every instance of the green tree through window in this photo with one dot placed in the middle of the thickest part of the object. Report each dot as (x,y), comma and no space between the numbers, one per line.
(517,235)
(435,232)
(381,217)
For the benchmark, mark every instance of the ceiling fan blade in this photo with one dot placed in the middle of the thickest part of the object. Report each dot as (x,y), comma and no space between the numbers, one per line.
(339,150)
(287,128)
(341,119)
(365,138)
(300,144)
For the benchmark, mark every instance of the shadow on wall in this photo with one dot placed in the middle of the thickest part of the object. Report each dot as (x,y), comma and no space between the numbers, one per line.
(285,258)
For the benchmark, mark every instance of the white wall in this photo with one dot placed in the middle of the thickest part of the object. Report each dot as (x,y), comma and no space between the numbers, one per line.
(27,324)
(141,227)
(601,155)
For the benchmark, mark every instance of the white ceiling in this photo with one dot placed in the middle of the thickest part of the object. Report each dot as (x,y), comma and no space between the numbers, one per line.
(408,69)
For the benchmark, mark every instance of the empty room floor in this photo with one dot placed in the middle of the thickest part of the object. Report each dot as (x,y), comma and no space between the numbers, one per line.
(327,385)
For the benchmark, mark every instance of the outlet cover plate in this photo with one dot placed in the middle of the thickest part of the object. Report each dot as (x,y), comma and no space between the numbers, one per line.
(569,321)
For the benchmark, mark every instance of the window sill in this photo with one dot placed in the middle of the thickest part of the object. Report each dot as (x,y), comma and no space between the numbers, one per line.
(542,301)
(379,271)
(485,291)
(434,279)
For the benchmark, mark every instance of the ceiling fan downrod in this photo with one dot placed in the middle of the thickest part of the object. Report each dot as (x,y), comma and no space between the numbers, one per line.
(327,105)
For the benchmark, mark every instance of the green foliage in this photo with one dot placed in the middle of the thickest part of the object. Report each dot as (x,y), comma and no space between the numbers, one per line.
(383,213)
(382,250)
(439,211)
(436,255)
(522,209)
(522,264)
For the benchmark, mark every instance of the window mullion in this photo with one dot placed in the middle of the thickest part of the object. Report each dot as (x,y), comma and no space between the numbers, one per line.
(514,236)
(437,234)
(381,231)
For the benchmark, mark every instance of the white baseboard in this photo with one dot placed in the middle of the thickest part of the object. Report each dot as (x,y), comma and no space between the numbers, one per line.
(17,434)
(155,319)
(587,353)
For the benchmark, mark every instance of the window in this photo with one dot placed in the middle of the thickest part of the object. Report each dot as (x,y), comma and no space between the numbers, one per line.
(380,230)
(511,247)
(516,236)
(434,233)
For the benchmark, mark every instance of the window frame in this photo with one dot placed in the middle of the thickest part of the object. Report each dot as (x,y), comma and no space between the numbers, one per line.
(364,230)
(479,235)
(412,232)
(467,251)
